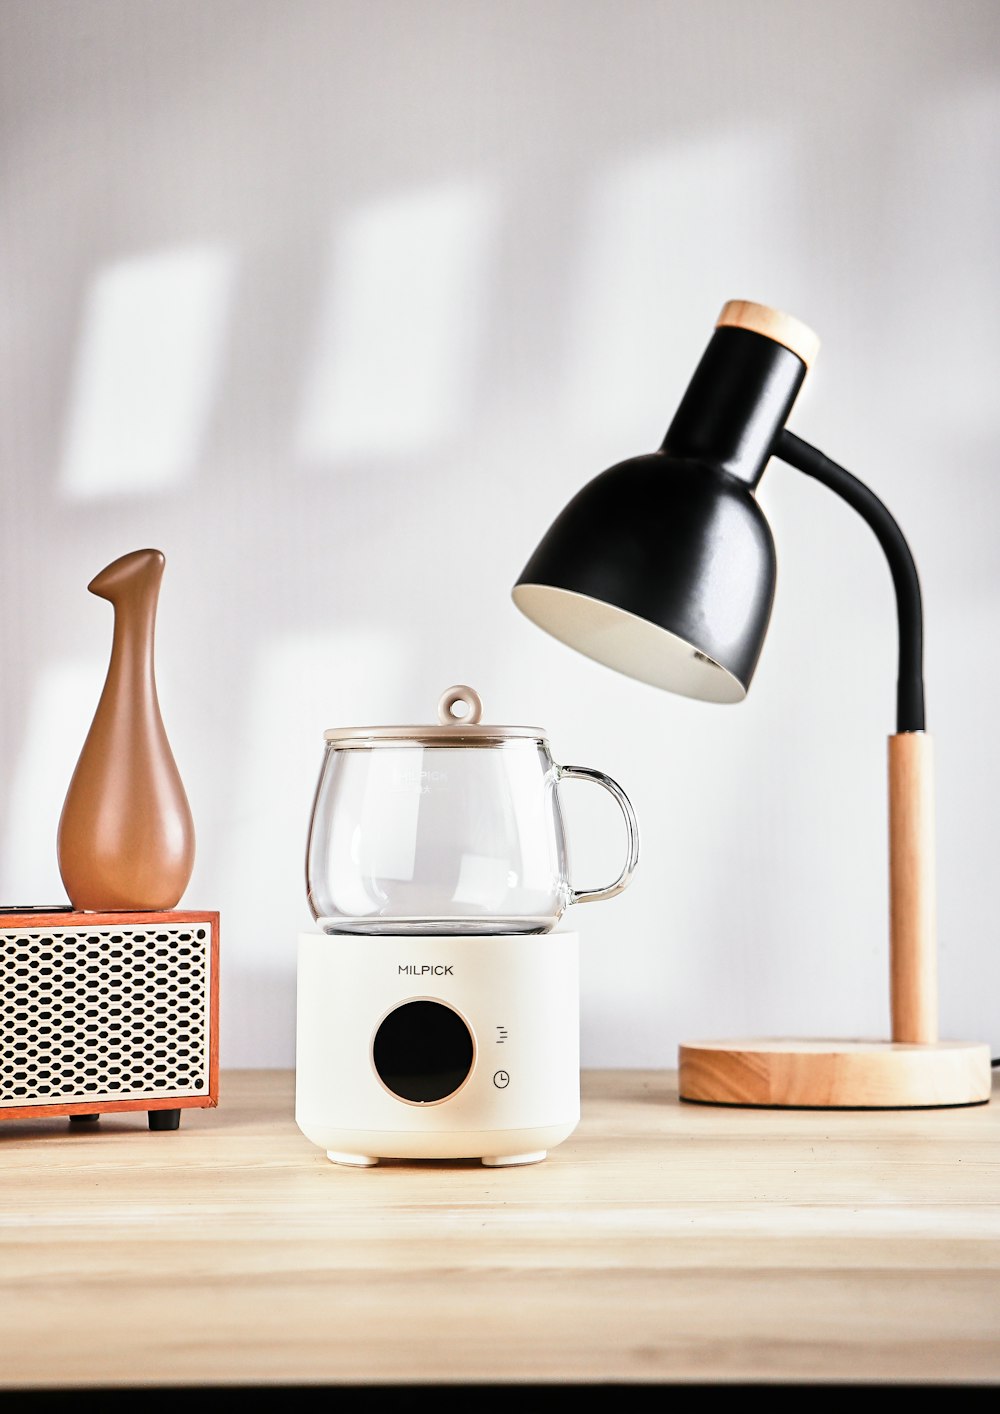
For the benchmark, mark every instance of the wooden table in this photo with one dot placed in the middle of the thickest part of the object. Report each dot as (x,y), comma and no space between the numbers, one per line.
(662,1244)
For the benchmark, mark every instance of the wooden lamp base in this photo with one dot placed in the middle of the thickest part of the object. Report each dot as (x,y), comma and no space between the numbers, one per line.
(847,1075)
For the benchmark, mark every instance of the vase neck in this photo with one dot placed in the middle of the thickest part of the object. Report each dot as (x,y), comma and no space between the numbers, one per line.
(132,648)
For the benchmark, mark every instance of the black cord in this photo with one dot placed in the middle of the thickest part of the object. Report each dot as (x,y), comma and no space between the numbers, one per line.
(910,684)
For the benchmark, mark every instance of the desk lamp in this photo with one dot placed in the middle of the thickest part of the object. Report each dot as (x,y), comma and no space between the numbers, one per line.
(663,568)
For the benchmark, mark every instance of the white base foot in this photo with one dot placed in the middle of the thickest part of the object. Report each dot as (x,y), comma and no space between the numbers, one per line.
(354,1161)
(504,1161)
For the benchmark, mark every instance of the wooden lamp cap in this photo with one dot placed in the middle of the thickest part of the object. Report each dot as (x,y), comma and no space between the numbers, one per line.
(784,329)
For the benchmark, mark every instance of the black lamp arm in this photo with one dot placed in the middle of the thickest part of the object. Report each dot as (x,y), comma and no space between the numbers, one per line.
(910,684)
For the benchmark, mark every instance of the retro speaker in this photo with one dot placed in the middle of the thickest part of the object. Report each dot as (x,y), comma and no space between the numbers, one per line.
(102,1012)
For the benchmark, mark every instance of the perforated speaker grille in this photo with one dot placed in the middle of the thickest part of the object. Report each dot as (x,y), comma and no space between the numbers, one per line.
(104,1013)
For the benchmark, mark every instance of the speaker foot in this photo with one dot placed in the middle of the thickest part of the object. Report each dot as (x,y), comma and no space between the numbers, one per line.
(84,1119)
(164,1119)
(354,1161)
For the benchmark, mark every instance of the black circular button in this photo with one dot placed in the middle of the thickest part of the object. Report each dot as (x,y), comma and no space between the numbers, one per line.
(422,1051)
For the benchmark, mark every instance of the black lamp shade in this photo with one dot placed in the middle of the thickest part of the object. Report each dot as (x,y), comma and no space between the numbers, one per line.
(662,569)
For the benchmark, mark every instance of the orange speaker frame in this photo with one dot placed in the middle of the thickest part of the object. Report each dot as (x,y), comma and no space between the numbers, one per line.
(99,1007)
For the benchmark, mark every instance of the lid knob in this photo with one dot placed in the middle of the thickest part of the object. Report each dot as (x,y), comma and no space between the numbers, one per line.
(449,700)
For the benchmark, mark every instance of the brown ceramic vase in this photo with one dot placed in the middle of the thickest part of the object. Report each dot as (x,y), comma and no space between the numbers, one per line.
(126,836)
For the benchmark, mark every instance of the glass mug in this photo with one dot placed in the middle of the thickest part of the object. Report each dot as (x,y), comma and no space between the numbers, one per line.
(454,828)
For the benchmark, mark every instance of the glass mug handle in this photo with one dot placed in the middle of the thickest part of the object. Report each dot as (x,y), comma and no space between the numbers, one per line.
(583,773)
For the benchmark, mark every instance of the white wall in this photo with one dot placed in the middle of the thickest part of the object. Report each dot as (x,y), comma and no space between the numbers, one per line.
(337,303)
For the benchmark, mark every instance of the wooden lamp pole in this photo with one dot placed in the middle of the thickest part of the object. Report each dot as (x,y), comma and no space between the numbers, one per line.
(912,891)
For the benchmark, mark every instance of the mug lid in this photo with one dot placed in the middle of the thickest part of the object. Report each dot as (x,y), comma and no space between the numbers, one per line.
(451,729)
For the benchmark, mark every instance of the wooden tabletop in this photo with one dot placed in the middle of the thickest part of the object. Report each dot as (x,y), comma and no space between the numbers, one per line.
(662,1243)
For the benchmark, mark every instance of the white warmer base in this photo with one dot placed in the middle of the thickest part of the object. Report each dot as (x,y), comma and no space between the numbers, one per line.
(502,1148)
(518,998)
